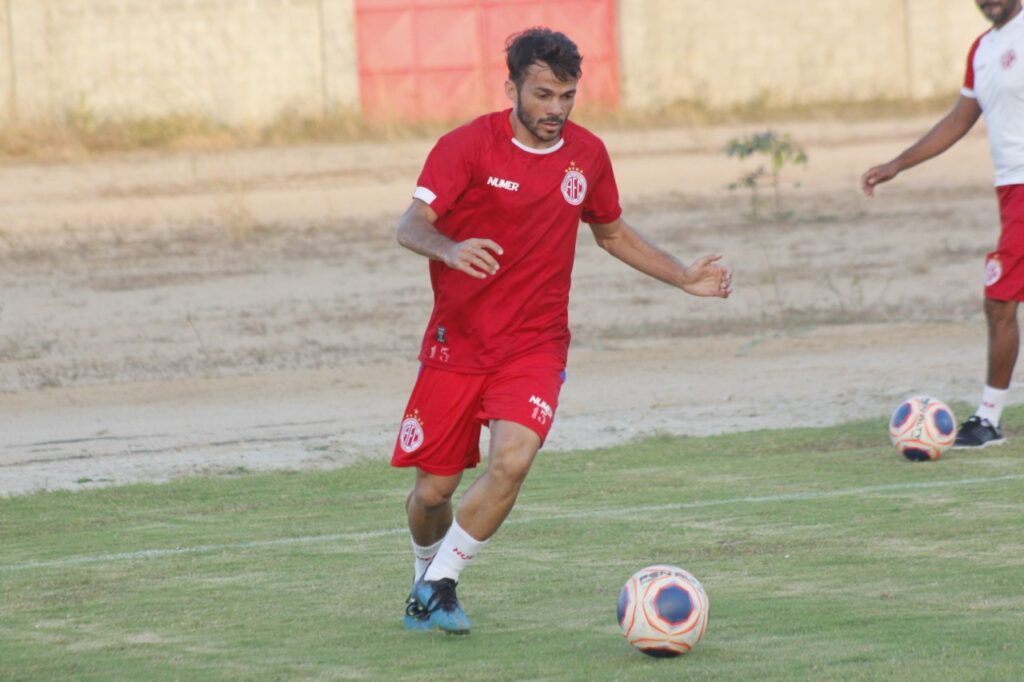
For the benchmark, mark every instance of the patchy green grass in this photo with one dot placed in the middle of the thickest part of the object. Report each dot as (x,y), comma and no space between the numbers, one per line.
(825,556)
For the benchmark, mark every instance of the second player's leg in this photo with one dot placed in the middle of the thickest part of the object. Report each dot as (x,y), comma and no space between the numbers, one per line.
(486,504)
(1003,341)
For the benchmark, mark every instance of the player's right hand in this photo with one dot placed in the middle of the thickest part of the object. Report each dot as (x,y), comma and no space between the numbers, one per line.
(475,257)
(876,176)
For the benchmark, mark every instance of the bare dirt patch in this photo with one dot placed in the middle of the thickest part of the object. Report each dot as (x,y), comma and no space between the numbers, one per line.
(169,315)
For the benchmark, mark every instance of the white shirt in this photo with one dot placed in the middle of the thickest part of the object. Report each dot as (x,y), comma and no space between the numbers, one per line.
(995,78)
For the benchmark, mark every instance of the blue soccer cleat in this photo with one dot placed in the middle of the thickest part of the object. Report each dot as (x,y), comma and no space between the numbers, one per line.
(416,617)
(434,605)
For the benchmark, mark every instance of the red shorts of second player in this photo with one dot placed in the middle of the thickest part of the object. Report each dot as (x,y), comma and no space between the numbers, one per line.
(440,433)
(1004,267)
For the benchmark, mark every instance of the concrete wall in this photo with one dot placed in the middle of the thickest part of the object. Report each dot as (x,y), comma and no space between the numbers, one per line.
(341,74)
(240,61)
(6,67)
(246,62)
(731,53)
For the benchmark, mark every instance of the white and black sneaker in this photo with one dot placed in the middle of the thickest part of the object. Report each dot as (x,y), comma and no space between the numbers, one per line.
(976,433)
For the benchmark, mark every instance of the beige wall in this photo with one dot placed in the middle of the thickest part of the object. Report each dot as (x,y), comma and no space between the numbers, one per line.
(341,76)
(6,68)
(240,61)
(730,53)
(248,61)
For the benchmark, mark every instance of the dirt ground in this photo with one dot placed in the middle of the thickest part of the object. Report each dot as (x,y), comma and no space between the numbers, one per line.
(182,314)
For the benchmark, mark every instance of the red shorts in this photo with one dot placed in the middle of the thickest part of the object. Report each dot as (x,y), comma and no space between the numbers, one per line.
(440,433)
(1004,267)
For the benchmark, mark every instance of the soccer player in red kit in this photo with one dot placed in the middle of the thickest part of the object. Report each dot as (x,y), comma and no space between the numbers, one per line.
(496,210)
(993,84)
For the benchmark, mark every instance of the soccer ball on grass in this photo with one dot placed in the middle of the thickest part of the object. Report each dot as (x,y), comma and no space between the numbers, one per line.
(922,428)
(663,610)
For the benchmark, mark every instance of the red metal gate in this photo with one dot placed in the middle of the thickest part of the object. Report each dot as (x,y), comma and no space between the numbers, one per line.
(443,60)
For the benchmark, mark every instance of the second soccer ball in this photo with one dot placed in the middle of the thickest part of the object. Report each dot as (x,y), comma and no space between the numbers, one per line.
(922,428)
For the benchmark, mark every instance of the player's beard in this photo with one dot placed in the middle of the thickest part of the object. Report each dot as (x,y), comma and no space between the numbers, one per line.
(534,124)
(997,12)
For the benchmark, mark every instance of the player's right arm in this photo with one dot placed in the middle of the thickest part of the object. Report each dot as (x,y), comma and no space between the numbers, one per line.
(942,136)
(416,232)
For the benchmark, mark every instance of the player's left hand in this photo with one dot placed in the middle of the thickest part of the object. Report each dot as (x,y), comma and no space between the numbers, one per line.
(706,277)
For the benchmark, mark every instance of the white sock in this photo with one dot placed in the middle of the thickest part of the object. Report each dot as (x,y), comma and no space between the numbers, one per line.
(993,400)
(423,555)
(457,549)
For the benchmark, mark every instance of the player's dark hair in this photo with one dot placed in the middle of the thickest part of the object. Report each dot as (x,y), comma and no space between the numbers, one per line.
(541,44)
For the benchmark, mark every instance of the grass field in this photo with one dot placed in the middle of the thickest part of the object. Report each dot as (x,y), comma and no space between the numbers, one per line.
(825,556)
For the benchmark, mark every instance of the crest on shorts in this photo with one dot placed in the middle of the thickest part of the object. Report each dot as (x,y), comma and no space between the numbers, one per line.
(993,271)
(410,436)
(574,185)
(1008,59)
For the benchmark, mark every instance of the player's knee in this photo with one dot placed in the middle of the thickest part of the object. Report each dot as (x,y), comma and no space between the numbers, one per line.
(510,462)
(1001,314)
(432,494)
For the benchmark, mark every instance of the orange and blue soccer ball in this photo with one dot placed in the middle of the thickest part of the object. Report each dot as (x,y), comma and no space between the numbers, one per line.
(663,610)
(922,428)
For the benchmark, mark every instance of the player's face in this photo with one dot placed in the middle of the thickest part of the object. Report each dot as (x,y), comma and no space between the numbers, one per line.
(542,106)
(999,11)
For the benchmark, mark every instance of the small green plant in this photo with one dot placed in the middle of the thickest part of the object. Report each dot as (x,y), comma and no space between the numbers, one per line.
(81,118)
(781,150)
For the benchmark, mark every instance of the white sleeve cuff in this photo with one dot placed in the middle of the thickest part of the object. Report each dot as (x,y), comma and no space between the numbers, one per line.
(967,92)
(424,195)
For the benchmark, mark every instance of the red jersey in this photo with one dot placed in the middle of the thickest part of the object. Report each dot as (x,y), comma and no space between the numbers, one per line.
(483,183)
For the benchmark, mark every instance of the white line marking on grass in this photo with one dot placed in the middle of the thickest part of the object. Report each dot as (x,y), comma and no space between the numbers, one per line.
(202,549)
(583,514)
(783,497)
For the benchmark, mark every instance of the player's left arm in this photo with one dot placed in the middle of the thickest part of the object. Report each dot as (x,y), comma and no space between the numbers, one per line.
(704,277)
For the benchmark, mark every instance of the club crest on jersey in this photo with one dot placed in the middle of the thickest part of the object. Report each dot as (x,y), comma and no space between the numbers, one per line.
(410,436)
(574,185)
(1008,59)
(993,271)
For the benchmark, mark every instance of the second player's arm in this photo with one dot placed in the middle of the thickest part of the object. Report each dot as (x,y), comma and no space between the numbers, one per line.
(416,232)
(704,277)
(942,136)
